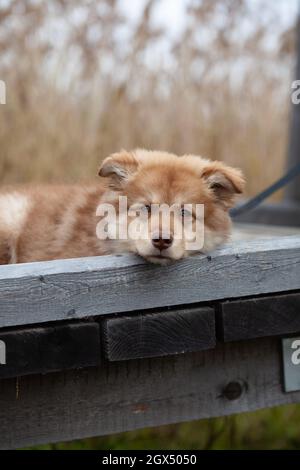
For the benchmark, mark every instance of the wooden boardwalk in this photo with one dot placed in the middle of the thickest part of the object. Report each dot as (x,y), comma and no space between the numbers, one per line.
(109,344)
(243,231)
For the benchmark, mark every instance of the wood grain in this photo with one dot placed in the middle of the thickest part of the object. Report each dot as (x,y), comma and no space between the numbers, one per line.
(258,317)
(48,349)
(159,334)
(69,289)
(122,396)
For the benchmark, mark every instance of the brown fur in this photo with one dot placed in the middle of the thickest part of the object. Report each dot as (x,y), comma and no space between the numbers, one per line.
(52,222)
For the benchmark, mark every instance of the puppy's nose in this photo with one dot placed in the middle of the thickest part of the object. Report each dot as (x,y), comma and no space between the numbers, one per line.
(162,241)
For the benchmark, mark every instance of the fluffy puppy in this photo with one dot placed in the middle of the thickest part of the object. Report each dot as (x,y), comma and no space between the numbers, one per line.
(52,222)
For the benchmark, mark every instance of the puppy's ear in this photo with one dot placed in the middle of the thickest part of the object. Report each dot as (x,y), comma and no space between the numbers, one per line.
(225,182)
(119,166)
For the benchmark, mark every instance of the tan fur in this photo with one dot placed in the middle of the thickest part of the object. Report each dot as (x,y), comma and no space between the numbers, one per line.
(52,222)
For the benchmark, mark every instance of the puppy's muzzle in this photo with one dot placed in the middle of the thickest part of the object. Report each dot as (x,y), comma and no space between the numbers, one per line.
(162,241)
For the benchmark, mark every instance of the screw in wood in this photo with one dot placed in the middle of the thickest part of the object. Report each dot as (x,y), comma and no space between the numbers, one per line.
(233,391)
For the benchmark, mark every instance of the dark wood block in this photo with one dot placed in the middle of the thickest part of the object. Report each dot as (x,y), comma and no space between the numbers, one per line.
(259,317)
(159,334)
(39,350)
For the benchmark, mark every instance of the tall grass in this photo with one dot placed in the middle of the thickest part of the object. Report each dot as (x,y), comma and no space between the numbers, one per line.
(83,81)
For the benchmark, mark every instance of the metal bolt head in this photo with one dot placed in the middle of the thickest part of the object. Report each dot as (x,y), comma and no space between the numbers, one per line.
(233,391)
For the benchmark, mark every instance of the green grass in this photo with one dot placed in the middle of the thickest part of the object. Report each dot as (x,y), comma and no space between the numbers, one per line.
(278,428)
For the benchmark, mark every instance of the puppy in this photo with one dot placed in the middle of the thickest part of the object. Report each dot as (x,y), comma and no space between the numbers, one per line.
(52,222)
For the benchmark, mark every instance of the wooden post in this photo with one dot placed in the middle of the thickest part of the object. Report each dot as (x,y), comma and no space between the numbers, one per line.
(292,193)
(288,211)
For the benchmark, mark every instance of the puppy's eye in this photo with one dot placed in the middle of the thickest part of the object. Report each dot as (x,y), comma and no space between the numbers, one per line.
(147,209)
(216,186)
(185,213)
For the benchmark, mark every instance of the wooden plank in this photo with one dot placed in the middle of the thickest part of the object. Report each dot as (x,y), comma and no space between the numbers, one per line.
(122,396)
(55,348)
(159,334)
(258,317)
(287,213)
(261,231)
(69,289)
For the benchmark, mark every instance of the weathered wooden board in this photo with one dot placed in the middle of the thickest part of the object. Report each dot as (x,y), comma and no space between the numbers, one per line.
(285,213)
(55,348)
(258,317)
(68,289)
(261,231)
(159,334)
(122,396)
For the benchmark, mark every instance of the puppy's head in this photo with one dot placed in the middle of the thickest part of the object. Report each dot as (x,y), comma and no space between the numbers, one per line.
(151,180)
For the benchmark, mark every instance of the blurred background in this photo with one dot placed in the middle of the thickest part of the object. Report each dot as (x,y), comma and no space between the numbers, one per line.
(211,77)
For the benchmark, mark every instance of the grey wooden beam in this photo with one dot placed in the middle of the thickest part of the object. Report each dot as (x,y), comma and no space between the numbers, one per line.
(159,334)
(286,213)
(122,396)
(69,289)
